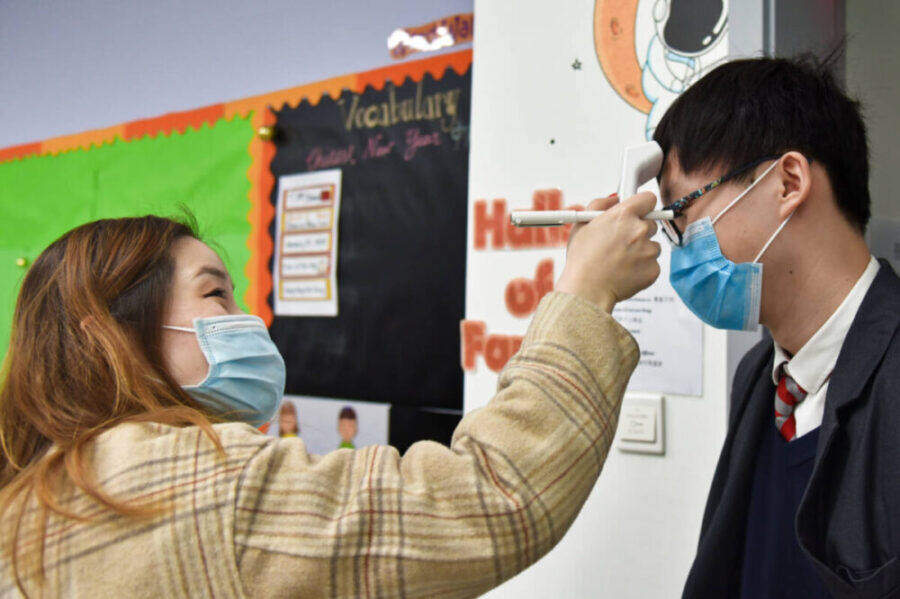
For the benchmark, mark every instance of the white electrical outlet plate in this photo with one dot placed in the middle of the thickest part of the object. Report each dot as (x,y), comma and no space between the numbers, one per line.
(642,424)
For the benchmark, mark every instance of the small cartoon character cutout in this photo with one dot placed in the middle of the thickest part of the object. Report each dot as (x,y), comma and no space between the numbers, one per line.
(348,427)
(288,424)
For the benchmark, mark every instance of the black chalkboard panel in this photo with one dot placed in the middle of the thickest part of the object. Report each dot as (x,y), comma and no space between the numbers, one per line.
(403,151)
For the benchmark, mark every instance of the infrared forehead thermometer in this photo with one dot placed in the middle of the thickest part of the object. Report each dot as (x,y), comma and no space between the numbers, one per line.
(640,163)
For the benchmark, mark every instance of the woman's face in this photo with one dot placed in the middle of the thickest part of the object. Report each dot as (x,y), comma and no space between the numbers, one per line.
(201,287)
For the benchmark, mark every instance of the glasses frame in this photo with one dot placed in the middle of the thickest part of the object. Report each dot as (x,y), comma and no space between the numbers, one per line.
(671,230)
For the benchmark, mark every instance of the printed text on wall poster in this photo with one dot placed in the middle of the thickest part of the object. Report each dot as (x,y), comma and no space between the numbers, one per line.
(521,266)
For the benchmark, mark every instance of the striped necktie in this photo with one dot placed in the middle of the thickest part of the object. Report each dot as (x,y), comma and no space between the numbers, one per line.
(789,395)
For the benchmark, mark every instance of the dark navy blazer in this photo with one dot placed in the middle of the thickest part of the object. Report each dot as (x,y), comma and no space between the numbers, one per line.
(848,522)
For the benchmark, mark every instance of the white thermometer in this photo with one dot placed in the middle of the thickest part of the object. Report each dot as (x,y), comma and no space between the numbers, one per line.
(640,163)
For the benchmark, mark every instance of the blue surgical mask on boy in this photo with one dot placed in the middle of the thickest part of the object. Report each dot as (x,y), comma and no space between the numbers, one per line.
(718,291)
(246,371)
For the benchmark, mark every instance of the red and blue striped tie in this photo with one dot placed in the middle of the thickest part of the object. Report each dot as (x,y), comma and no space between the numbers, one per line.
(789,395)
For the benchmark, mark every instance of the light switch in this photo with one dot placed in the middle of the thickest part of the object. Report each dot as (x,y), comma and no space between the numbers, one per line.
(641,423)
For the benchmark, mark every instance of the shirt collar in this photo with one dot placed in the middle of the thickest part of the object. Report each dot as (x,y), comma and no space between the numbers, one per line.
(812,365)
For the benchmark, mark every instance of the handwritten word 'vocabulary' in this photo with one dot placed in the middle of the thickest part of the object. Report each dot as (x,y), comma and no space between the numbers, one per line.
(440,106)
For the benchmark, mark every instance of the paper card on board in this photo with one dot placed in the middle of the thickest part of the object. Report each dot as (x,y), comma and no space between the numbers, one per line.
(306,244)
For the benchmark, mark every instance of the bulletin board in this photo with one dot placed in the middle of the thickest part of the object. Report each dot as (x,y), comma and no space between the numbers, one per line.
(403,153)
(213,161)
(203,168)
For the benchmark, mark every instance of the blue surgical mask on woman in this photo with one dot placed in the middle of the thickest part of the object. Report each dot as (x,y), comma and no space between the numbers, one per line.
(246,371)
(718,291)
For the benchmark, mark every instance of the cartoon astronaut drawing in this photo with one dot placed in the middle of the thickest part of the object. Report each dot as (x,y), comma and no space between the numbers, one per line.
(681,51)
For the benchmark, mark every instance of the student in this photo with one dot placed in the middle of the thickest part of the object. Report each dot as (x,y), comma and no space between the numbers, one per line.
(769,160)
(126,470)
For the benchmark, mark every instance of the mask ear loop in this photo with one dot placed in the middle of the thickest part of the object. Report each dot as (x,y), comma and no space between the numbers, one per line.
(772,238)
(174,328)
(743,193)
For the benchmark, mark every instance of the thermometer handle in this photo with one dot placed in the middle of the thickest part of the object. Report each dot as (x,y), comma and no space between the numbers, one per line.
(552,218)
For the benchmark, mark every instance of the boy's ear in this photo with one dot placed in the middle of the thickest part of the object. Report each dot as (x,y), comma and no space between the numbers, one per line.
(795,182)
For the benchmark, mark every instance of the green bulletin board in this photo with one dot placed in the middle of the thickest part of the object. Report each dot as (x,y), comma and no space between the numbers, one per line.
(204,169)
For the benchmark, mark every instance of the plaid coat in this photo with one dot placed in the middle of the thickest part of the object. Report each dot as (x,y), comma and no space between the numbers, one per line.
(270,520)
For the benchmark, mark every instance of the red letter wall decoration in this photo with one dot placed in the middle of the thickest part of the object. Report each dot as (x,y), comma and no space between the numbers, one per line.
(493,231)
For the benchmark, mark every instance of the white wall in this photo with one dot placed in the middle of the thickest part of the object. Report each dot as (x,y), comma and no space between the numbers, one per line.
(67,67)
(637,535)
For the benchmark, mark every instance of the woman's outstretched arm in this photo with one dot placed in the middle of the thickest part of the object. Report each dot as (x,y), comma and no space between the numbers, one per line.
(439,521)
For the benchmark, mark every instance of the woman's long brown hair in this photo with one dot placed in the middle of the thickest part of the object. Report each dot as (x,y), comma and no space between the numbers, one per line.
(84,356)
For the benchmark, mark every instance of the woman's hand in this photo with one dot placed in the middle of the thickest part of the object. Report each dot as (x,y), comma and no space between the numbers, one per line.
(612,257)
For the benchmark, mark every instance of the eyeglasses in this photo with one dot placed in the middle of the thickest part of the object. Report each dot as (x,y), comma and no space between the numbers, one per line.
(671,229)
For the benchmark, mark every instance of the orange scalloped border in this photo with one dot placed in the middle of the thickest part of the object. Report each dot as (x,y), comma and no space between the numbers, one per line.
(261,152)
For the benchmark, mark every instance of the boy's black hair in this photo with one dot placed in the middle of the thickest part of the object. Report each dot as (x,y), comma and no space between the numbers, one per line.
(750,108)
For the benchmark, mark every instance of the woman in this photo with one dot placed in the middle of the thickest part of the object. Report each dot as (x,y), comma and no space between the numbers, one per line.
(131,465)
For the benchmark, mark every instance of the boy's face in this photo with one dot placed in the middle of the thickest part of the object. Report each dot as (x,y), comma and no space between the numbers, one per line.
(347,428)
(743,230)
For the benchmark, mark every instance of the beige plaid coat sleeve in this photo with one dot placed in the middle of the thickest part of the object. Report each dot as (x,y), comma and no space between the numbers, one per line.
(269,520)
(438,521)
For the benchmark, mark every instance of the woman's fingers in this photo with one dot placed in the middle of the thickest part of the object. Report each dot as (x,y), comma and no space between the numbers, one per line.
(604,203)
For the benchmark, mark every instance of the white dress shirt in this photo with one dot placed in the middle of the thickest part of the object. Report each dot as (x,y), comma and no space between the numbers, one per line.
(811,367)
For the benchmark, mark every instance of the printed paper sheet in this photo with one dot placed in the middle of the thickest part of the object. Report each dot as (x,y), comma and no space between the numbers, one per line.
(306,244)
